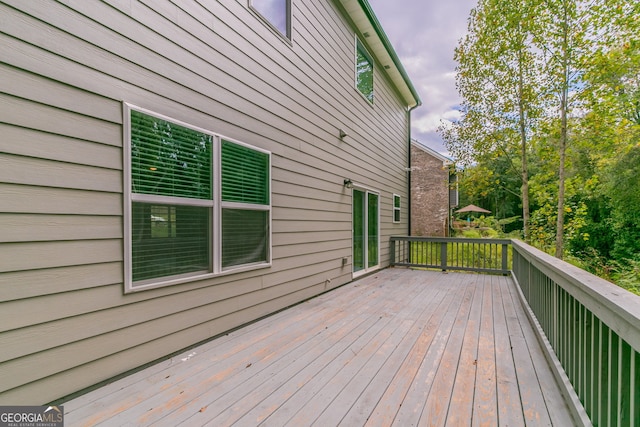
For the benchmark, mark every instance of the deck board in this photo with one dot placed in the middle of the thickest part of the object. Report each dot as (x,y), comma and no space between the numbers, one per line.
(464,386)
(509,405)
(400,347)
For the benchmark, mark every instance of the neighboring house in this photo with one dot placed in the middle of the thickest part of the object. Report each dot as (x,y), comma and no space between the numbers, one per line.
(170,170)
(434,191)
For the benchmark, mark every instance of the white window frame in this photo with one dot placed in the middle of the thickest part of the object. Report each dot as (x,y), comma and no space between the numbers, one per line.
(396,209)
(215,204)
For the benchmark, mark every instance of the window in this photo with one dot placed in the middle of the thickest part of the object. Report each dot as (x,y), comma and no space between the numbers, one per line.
(175,228)
(396,208)
(366,231)
(245,205)
(364,72)
(453,187)
(275,12)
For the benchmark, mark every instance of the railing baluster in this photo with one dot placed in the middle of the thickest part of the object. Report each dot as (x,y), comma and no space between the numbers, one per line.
(443,256)
(606,377)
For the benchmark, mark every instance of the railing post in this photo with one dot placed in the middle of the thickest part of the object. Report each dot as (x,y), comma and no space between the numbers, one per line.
(505,258)
(443,256)
(393,252)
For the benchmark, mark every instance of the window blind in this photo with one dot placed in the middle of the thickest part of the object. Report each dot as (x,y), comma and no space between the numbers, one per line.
(168,159)
(169,240)
(244,236)
(245,174)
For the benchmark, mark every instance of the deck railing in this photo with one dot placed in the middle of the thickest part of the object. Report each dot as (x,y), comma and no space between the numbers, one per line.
(479,255)
(591,326)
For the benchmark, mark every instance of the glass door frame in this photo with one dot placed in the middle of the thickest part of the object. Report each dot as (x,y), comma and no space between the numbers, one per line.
(366,222)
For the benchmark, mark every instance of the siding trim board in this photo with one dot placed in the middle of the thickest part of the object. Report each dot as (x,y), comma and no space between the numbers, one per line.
(69,74)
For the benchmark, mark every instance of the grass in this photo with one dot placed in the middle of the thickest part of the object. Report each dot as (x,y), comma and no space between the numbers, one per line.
(459,254)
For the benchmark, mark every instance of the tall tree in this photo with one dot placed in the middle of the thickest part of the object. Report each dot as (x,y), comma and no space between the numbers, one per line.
(497,77)
(564,63)
(559,36)
(612,97)
(572,35)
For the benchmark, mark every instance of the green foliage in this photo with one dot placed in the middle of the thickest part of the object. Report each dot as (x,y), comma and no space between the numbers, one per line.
(459,254)
(490,227)
(626,274)
(471,233)
(499,80)
(598,231)
(565,130)
(624,190)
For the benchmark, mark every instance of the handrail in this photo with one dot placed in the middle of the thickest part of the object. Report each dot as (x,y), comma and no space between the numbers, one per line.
(592,326)
(445,253)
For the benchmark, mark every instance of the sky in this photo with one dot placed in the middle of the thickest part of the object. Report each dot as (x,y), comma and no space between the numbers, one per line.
(424,34)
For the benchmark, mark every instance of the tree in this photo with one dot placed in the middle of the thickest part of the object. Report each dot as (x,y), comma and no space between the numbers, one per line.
(612,75)
(610,128)
(497,77)
(575,36)
(490,184)
(625,197)
(581,114)
(560,36)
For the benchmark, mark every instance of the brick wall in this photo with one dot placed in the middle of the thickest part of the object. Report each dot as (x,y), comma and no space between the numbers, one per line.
(429,194)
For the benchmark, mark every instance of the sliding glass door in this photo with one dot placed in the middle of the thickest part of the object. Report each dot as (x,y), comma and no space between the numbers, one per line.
(366,225)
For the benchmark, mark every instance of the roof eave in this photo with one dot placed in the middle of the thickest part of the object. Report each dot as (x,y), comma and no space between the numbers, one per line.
(366,22)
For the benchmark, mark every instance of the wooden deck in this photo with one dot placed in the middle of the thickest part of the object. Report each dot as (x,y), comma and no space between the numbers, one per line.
(400,347)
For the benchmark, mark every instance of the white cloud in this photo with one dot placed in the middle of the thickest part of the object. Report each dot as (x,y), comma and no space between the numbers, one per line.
(452,115)
(427,123)
(424,35)
(430,122)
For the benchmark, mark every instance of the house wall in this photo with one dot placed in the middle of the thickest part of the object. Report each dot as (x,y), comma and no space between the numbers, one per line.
(67,67)
(429,194)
